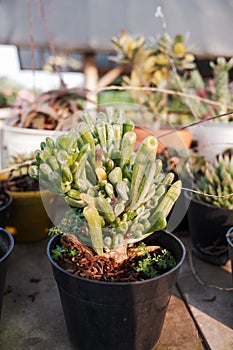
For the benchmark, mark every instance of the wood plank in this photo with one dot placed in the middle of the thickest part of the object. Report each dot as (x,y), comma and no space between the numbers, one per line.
(208,291)
(179,331)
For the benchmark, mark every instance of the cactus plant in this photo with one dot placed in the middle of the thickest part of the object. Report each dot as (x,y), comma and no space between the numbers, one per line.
(122,195)
(217,181)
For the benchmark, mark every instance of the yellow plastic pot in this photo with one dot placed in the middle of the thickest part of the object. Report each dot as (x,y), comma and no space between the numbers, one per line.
(29,221)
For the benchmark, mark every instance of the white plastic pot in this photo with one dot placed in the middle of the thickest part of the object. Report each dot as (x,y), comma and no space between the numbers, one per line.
(5,113)
(214,139)
(16,140)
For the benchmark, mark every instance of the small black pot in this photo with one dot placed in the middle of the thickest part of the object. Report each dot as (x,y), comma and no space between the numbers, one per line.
(229,237)
(117,315)
(6,247)
(208,225)
(4,209)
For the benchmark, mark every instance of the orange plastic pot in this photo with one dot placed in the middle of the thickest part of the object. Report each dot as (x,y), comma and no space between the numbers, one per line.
(167,137)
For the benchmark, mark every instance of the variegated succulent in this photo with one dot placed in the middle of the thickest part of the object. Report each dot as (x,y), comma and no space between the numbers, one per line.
(122,194)
(215,186)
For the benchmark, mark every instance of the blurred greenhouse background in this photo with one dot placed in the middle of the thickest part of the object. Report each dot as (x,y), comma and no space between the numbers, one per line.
(81,31)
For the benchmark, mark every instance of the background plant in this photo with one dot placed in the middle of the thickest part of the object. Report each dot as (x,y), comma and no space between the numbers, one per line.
(215,186)
(152,64)
(51,110)
(167,64)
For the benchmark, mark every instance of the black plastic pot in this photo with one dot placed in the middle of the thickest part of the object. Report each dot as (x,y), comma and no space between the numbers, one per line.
(113,315)
(6,247)
(208,225)
(229,237)
(4,209)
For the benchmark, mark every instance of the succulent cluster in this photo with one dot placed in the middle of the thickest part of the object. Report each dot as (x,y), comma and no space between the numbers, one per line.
(167,63)
(216,184)
(16,177)
(124,195)
(152,64)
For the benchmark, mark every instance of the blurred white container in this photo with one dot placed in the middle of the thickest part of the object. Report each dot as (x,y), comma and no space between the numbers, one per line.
(16,140)
(214,138)
(5,113)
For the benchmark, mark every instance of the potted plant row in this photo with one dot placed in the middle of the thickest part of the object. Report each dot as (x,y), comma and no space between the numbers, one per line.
(112,258)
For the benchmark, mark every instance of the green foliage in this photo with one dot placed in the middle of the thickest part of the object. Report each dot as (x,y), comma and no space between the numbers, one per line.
(60,251)
(217,181)
(153,264)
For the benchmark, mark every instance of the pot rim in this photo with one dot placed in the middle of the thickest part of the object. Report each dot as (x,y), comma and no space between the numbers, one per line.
(229,236)
(11,246)
(6,126)
(180,262)
(10,199)
(217,124)
(190,197)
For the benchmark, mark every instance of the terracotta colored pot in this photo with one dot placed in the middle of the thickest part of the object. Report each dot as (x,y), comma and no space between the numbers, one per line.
(167,137)
(141,133)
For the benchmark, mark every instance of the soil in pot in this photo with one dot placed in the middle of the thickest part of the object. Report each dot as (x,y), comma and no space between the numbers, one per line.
(6,247)
(117,315)
(207,229)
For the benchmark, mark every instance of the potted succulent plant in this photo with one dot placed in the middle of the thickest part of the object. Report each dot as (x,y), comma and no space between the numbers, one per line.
(28,220)
(114,289)
(48,113)
(210,212)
